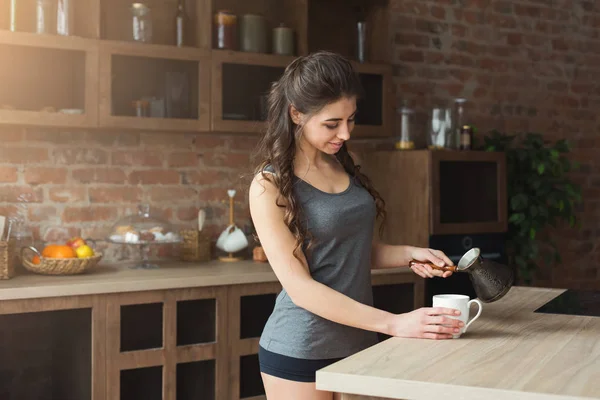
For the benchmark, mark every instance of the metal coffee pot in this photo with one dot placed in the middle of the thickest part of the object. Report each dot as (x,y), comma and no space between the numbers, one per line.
(491,280)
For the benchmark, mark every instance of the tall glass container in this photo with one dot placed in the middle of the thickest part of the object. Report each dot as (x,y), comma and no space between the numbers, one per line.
(142,23)
(459,122)
(64,17)
(440,128)
(13,15)
(42,16)
(406,138)
(180,24)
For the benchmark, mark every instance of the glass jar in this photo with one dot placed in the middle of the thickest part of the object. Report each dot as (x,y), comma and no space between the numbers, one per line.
(140,108)
(43,17)
(142,23)
(226,36)
(406,138)
(20,236)
(440,128)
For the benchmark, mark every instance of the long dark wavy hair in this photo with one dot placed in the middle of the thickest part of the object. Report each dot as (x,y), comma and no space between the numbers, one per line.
(309,83)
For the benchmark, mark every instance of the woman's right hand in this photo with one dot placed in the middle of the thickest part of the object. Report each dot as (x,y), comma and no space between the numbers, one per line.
(426,323)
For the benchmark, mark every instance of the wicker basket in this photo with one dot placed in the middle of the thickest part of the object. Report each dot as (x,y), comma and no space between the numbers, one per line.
(7,265)
(57,266)
(196,246)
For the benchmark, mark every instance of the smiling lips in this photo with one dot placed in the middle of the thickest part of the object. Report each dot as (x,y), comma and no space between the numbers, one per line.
(336,145)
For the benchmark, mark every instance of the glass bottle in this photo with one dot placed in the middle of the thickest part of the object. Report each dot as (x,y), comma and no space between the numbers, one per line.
(406,141)
(142,23)
(180,24)
(42,16)
(459,122)
(13,15)
(64,17)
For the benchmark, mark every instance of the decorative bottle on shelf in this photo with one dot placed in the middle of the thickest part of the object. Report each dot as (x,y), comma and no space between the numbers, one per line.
(42,16)
(466,137)
(181,22)
(459,122)
(13,15)
(142,23)
(64,17)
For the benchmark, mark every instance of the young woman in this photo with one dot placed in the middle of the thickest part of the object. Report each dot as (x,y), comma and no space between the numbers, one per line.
(314,213)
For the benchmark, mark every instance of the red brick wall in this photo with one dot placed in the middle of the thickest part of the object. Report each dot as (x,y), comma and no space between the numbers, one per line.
(524,66)
(80,183)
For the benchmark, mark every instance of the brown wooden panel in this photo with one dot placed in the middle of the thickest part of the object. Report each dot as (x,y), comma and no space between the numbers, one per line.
(437,228)
(402,179)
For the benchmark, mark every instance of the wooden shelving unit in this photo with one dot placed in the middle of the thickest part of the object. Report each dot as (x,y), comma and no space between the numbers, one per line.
(42,72)
(102,34)
(238,81)
(130,71)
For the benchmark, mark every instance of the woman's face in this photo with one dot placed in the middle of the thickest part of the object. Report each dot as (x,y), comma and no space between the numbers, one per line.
(328,129)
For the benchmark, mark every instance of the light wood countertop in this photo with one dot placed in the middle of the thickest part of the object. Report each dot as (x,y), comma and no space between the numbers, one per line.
(171,275)
(509,353)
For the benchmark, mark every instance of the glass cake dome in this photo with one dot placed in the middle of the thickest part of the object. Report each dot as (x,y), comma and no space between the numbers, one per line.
(142,228)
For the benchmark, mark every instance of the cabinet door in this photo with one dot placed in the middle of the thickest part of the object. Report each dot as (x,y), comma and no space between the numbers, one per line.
(154,87)
(52,349)
(249,308)
(374,117)
(167,345)
(240,84)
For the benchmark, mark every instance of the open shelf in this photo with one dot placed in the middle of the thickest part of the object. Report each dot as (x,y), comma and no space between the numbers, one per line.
(141,326)
(174,82)
(239,103)
(196,380)
(46,355)
(117,21)
(343,37)
(292,13)
(142,383)
(59,94)
(83,16)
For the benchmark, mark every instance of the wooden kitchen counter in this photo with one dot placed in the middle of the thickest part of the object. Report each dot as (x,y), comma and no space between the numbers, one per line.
(122,279)
(509,353)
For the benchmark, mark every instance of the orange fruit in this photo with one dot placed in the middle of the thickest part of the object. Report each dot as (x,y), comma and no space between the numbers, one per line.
(36,260)
(58,251)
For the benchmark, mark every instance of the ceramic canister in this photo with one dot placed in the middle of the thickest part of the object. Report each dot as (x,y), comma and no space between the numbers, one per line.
(253,33)
(283,41)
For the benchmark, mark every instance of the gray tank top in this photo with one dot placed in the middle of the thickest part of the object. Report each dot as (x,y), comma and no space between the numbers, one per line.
(342,228)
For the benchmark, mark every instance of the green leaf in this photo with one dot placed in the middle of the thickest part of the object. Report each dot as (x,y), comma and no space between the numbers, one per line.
(541,168)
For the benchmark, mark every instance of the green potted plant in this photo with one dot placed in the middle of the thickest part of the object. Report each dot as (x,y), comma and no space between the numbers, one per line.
(540,195)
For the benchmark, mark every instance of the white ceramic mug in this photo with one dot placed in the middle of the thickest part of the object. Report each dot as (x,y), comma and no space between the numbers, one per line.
(459,302)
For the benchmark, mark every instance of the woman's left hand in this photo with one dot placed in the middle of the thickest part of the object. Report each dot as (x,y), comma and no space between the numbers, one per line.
(436,257)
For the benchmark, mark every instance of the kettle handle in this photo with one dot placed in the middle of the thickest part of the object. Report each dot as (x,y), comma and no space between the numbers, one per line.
(452,268)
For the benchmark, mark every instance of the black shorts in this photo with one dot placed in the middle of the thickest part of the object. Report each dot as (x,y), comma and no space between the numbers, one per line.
(290,368)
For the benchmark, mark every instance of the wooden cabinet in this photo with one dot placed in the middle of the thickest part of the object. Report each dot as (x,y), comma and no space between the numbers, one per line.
(46,82)
(53,348)
(172,344)
(167,344)
(249,309)
(215,90)
(240,83)
(458,193)
(173,83)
